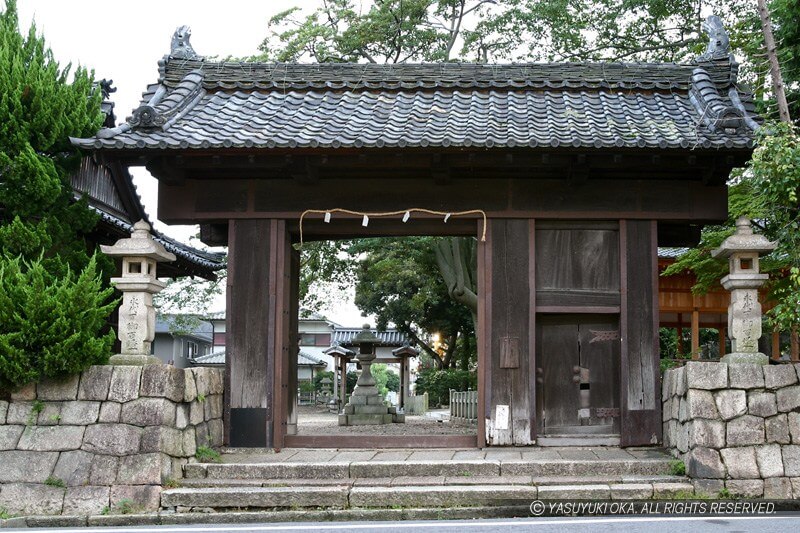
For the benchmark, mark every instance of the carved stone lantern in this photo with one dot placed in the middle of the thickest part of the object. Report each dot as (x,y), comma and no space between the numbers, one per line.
(366,405)
(744,312)
(138,283)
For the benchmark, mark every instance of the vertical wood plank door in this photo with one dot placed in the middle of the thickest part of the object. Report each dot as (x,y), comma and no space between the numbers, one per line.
(579,357)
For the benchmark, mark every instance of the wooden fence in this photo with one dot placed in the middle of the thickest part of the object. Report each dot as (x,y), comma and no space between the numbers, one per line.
(464,407)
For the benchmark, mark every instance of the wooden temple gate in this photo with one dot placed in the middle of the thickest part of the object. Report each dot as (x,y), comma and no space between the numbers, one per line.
(582,170)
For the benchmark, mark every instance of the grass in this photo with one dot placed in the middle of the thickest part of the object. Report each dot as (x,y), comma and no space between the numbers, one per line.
(170,483)
(126,506)
(201,398)
(36,408)
(55,482)
(725,494)
(204,454)
(4,514)
(677,468)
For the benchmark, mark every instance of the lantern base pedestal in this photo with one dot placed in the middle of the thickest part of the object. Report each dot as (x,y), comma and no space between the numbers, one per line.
(752,358)
(134,360)
(369,411)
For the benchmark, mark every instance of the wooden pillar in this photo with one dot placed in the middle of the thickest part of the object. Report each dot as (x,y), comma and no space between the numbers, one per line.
(641,399)
(509,332)
(721,341)
(250,361)
(336,379)
(795,344)
(776,345)
(288,341)
(343,385)
(695,334)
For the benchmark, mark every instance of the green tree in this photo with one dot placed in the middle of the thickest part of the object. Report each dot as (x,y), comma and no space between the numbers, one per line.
(399,282)
(50,326)
(767,192)
(53,302)
(41,106)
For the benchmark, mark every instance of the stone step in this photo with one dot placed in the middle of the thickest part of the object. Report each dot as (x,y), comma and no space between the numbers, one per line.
(190,499)
(464,468)
(433,481)
(255,497)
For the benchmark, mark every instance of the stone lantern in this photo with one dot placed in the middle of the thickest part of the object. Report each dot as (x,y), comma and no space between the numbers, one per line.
(744,312)
(366,406)
(138,283)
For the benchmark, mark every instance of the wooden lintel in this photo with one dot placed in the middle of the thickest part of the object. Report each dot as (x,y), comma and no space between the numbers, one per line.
(214,234)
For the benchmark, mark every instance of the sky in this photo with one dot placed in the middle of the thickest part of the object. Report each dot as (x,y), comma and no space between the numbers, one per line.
(123,40)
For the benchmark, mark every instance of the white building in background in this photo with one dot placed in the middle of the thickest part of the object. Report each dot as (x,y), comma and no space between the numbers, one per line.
(180,341)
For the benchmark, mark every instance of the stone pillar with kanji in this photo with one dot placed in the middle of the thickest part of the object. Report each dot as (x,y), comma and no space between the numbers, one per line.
(744,312)
(138,283)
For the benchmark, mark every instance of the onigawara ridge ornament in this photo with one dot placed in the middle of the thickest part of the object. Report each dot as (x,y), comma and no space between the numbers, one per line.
(744,312)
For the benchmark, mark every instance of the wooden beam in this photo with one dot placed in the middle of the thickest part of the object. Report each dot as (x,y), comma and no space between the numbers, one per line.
(722,343)
(695,334)
(795,345)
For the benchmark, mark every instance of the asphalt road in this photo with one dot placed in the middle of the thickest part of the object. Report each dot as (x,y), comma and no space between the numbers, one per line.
(754,524)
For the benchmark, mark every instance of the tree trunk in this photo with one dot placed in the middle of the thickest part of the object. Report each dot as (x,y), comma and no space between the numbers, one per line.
(437,359)
(457,261)
(774,65)
(465,351)
(451,348)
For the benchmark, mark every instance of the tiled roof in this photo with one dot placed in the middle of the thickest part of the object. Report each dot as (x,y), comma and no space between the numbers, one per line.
(671,253)
(216,358)
(201,105)
(391,337)
(213,261)
(305,358)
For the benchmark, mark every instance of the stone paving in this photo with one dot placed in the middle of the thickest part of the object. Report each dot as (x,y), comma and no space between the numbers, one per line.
(319,421)
(317,455)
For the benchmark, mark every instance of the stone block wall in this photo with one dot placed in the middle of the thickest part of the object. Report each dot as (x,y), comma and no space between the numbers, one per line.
(736,426)
(110,434)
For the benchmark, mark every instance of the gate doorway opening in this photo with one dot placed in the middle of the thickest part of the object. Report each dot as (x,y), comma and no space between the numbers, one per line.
(427,343)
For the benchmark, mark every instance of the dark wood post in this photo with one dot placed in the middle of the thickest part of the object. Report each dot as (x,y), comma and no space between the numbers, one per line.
(249,361)
(641,399)
(508,328)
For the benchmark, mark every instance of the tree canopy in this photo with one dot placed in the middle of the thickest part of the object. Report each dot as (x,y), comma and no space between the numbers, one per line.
(41,106)
(53,301)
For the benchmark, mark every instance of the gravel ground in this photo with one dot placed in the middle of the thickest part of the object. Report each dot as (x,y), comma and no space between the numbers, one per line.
(318,421)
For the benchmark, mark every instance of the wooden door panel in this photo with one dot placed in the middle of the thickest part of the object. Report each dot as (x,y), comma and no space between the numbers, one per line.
(558,355)
(599,353)
(565,345)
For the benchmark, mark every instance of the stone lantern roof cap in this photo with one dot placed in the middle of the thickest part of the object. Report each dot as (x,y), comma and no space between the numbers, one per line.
(744,240)
(139,244)
(366,336)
